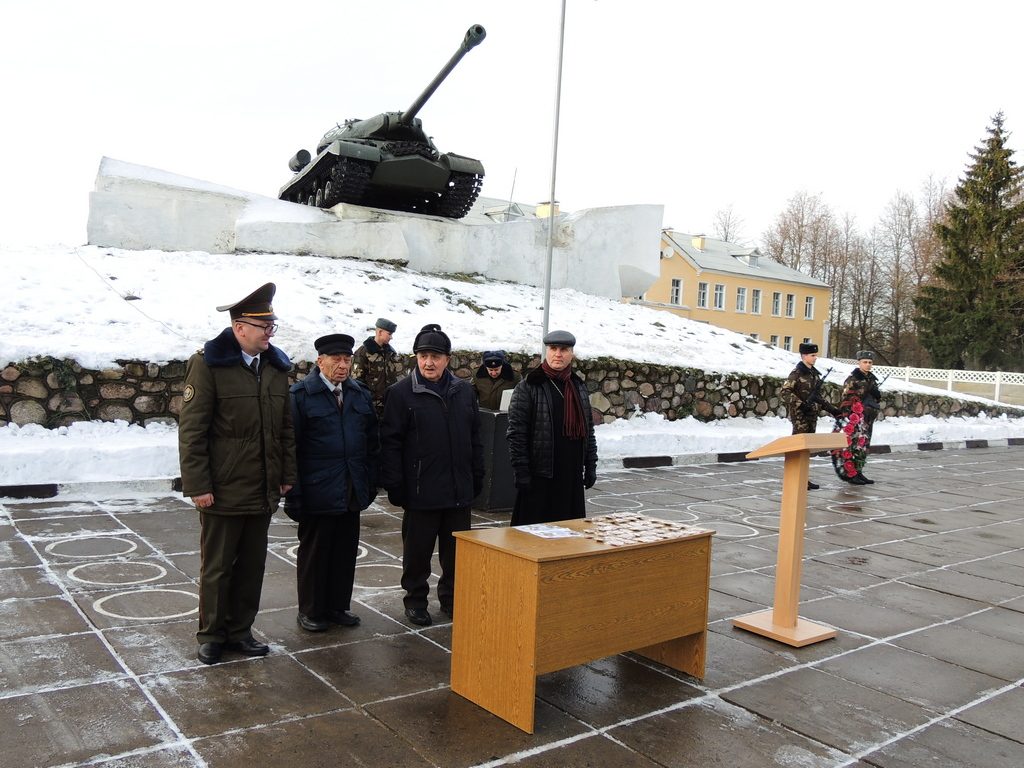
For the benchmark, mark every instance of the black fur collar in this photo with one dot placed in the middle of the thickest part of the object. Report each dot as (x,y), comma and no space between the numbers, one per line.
(224,351)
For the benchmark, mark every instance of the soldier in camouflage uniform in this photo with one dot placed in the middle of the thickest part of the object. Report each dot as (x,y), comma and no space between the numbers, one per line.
(802,395)
(377,365)
(871,397)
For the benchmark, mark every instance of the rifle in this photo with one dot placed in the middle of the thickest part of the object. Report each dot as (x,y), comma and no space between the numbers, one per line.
(815,396)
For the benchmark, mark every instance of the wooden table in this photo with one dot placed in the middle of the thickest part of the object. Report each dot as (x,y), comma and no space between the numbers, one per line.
(526,605)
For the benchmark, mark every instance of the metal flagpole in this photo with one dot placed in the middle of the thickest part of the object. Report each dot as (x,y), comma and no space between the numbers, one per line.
(554,167)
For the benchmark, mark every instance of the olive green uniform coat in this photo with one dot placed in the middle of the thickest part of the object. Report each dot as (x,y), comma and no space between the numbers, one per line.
(235,440)
(378,368)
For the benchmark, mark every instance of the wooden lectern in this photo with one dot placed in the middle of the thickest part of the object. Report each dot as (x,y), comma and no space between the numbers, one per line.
(781,622)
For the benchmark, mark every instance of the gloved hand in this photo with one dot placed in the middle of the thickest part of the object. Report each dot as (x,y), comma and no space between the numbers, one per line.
(395,497)
(589,477)
(293,507)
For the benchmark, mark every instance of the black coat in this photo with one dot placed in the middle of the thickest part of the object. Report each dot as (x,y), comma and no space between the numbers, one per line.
(337,451)
(530,430)
(432,455)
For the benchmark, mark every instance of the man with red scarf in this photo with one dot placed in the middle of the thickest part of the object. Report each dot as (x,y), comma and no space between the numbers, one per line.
(551,438)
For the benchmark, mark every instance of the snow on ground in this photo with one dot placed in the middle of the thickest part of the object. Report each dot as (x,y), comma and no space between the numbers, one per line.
(98,305)
(97,451)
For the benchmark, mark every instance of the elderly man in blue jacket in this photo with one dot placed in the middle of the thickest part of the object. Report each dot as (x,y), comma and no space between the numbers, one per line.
(432,465)
(337,448)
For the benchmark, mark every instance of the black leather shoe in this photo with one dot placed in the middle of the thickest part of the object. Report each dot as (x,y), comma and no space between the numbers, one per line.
(345,618)
(311,625)
(209,653)
(419,616)
(866,481)
(858,480)
(812,486)
(249,647)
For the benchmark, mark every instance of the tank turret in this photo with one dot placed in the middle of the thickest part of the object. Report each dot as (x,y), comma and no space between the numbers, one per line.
(388,161)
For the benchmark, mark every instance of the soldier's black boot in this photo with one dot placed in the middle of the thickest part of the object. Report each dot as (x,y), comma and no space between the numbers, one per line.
(812,486)
(859,480)
(866,481)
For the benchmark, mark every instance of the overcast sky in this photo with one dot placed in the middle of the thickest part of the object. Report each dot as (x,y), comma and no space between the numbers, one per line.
(695,106)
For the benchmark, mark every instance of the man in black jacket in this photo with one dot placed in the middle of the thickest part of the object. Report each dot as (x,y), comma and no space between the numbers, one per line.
(551,438)
(337,447)
(432,465)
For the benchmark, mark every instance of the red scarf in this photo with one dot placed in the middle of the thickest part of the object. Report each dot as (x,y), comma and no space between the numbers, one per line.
(573,426)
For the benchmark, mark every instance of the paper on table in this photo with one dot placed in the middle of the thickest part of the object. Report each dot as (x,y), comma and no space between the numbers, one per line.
(546,531)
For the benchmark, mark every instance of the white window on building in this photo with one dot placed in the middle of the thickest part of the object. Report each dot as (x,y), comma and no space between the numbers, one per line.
(790,304)
(719,296)
(787,343)
(741,299)
(774,340)
(676,292)
(807,339)
(755,301)
(702,295)
(809,308)
(776,303)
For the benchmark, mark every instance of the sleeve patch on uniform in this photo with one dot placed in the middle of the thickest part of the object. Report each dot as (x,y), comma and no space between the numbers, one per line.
(189,393)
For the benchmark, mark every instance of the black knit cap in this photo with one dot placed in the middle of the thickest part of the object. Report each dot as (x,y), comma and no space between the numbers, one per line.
(334,344)
(432,339)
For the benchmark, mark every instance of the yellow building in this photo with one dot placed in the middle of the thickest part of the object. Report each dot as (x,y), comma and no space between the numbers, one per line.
(734,287)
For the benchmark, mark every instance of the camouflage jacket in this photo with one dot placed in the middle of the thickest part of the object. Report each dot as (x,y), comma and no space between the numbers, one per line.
(871,396)
(378,368)
(796,394)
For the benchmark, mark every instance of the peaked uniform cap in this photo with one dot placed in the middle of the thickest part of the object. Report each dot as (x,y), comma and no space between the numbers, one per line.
(334,344)
(256,305)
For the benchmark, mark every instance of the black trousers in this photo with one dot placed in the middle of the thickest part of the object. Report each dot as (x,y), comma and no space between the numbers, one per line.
(420,529)
(328,546)
(233,555)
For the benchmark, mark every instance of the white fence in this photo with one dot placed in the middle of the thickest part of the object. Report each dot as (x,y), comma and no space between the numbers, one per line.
(996,381)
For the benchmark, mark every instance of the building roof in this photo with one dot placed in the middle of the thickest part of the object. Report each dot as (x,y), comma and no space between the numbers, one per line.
(729,258)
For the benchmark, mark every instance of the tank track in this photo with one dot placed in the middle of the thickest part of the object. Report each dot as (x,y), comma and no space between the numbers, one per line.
(349,181)
(463,190)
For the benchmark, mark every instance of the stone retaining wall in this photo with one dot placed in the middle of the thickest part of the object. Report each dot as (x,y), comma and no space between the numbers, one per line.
(57,392)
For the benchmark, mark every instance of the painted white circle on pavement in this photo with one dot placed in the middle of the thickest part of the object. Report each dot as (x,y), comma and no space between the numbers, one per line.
(98,605)
(132,546)
(74,573)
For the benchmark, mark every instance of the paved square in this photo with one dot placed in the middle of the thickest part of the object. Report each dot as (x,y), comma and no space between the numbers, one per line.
(921,573)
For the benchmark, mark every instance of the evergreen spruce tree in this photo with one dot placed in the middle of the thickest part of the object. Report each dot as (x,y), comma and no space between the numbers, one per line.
(971,315)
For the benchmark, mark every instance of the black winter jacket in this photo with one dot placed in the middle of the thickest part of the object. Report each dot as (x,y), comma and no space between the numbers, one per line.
(333,447)
(431,452)
(530,435)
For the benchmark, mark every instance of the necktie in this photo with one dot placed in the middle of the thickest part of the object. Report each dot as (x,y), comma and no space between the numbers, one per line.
(337,396)
(254,364)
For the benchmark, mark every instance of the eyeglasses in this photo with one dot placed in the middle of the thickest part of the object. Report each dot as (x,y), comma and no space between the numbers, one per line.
(268,330)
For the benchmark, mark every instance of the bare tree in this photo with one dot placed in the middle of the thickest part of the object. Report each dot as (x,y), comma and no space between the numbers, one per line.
(799,233)
(727,225)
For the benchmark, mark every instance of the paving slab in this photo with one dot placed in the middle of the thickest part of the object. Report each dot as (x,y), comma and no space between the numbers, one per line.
(714,732)
(972,650)
(921,680)
(949,743)
(1001,714)
(829,710)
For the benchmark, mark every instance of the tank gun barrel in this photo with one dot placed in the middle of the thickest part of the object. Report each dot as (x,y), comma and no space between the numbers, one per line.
(474,36)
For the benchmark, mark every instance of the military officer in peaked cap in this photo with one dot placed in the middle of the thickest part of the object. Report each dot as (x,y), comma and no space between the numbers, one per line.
(337,448)
(236,447)
(802,394)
